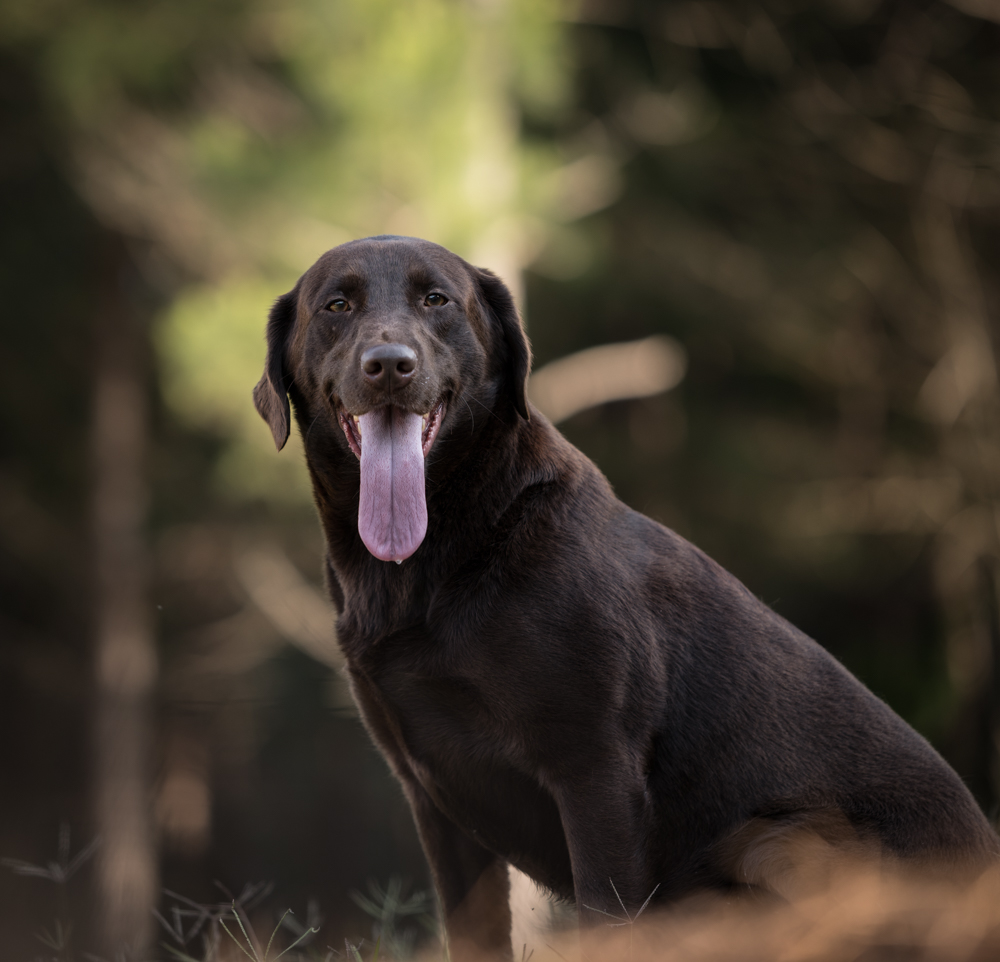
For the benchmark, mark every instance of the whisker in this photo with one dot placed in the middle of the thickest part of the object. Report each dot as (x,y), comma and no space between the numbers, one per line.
(471,415)
(486,409)
(312,423)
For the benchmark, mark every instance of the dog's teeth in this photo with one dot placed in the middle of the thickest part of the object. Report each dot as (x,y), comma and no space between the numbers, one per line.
(399,561)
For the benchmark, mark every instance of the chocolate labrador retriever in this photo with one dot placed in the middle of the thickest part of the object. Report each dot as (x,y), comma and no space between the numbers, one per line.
(557,681)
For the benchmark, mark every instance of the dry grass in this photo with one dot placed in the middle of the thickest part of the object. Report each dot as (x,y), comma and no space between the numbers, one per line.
(832,912)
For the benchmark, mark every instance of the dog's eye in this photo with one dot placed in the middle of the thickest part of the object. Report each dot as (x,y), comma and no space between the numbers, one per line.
(435,300)
(337,305)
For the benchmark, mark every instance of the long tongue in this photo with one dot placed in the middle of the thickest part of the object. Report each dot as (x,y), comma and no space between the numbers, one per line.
(392,517)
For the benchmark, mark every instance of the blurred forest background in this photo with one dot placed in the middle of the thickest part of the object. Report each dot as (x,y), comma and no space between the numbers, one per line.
(803,194)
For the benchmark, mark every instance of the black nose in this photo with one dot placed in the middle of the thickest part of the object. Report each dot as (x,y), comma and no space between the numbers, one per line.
(389,365)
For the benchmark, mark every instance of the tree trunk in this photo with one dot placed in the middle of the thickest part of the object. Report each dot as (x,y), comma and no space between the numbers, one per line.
(125,653)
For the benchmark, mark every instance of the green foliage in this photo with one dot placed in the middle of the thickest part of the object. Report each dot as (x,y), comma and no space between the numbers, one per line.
(211,347)
(59,871)
(389,907)
(249,944)
(188,921)
(246,137)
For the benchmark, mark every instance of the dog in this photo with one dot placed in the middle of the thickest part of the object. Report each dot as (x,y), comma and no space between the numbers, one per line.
(558,682)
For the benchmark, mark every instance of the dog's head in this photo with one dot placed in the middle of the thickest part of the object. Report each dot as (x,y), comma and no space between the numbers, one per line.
(397,341)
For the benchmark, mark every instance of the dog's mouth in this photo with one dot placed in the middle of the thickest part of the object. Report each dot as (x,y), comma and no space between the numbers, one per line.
(391,445)
(430,425)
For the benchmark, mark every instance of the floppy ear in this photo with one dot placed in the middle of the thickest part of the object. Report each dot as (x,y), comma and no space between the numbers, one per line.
(270,396)
(517,360)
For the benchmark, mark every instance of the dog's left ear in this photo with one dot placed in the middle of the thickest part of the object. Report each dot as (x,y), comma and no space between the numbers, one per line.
(517,360)
(270,396)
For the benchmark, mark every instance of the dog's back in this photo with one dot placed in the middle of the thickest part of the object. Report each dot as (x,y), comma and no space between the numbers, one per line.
(793,729)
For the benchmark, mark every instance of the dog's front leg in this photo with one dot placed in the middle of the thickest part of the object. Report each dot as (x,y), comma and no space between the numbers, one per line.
(472,884)
(604,825)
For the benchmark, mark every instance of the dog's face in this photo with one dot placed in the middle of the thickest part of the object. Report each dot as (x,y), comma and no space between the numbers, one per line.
(398,342)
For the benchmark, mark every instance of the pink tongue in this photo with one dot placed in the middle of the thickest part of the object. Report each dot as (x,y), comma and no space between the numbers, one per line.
(392,517)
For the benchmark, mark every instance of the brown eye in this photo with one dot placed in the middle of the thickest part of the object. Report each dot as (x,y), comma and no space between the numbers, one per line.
(435,300)
(337,305)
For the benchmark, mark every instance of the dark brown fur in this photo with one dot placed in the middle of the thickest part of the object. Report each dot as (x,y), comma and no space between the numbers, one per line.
(557,681)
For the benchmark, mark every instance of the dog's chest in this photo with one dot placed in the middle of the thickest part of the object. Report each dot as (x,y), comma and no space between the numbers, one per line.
(444,708)
(466,736)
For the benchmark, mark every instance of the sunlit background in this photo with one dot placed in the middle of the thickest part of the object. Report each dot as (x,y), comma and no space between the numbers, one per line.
(756,246)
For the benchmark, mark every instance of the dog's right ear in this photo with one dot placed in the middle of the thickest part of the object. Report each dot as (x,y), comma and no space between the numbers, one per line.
(517,361)
(270,396)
